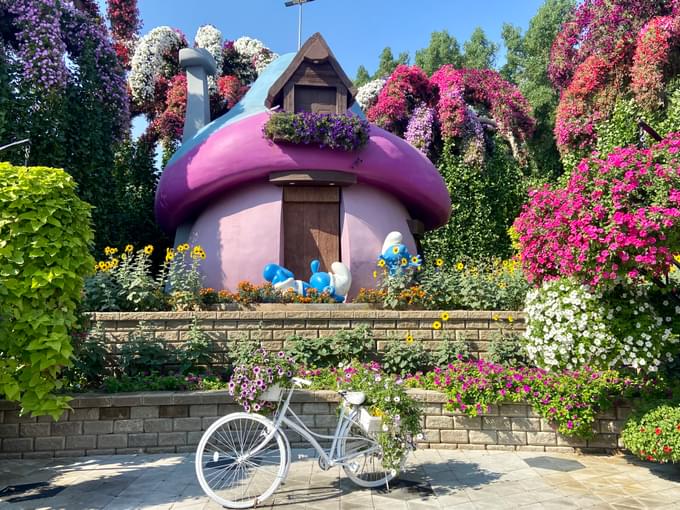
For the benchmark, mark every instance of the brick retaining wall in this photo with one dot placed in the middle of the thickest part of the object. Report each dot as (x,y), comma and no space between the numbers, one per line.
(169,422)
(273,324)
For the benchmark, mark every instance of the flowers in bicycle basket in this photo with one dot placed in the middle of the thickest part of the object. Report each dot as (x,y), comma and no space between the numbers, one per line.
(263,371)
(387,399)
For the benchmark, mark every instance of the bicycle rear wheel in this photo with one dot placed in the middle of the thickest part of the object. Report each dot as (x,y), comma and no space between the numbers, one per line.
(364,459)
(227,470)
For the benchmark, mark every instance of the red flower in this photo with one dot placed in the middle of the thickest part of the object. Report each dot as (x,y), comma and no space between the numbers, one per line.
(667,449)
(649,457)
(657,431)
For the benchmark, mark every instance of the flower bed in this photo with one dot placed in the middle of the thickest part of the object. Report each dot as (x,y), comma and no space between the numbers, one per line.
(169,422)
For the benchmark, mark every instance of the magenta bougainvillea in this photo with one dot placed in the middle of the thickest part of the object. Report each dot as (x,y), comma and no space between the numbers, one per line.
(617,217)
(652,55)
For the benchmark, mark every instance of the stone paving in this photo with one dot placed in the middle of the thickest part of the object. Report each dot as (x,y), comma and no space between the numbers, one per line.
(457,479)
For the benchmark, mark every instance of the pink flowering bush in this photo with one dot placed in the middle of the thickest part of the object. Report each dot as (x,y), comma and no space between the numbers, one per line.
(617,217)
(652,54)
(406,88)
(570,400)
(611,51)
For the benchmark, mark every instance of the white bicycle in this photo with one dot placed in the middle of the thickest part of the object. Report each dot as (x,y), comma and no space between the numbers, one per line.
(242,458)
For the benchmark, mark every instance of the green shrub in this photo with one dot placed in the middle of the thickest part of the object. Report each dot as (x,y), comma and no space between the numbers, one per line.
(141,354)
(195,352)
(405,357)
(505,348)
(89,362)
(341,348)
(45,241)
(450,351)
(654,433)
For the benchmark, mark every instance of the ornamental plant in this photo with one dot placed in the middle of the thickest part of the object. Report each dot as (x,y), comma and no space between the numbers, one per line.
(326,130)
(617,217)
(265,369)
(182,276)
(570,325)
(653,433)
(570,400)
(612,51)
(45,242)
(387,399)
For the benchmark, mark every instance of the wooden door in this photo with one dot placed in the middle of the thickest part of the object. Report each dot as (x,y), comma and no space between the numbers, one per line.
(311,228)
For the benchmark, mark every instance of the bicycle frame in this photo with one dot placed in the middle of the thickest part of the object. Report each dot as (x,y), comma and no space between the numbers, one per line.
(330,458)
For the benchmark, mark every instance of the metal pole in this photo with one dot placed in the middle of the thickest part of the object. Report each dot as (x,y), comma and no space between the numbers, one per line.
(13,144)
(299,25)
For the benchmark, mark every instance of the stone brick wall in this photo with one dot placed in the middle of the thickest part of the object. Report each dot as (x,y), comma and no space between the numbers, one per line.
(273,324)
(168,422)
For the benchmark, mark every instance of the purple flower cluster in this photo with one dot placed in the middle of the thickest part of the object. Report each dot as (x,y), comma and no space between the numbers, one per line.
(419,131)
(327,130)
(40,47)
(49,33)
(251,380)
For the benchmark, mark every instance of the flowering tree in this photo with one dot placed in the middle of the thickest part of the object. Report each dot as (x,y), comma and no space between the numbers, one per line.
(158,85)
(601,71)
(474,125)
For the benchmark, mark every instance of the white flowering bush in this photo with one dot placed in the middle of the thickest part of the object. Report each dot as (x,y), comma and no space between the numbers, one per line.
(147,62)
(367,94)
(570,325)
(209,38)
(255,52)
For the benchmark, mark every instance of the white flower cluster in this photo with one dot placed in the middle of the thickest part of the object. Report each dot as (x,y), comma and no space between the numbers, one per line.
(210,38)
(570,326)
(147,62)
(255,52)
(367,94)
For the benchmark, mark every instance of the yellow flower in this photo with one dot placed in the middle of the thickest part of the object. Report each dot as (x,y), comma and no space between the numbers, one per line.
(148,249)
(436,325)
(109,266)
(123,256)
(113,251)
(107,251)
(114,263)
(183,247)
(395,250)
(460,266)
(129,248)
(414,260)
(102,266)
(197,250)
(445,316)
(381,263)
(510,319)
(169,256)
(439,262)
(404,261)
(409,338)
(375,274)
(495,317)
(203,255)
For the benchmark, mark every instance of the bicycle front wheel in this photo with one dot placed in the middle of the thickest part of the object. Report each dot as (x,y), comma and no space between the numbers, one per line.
(234,467)
(364,459)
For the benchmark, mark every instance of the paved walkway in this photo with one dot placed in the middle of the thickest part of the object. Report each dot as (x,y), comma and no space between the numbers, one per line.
(457,479)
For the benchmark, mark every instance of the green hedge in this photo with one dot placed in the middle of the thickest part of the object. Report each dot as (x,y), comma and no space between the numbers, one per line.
(45,241)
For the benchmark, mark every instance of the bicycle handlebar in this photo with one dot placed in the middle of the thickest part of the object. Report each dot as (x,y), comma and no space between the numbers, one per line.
(301,382)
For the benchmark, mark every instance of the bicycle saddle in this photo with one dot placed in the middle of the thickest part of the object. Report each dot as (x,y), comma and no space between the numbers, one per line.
(356,398)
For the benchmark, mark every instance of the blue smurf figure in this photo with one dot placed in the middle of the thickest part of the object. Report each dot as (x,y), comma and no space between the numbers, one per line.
(336,282)
(395,255)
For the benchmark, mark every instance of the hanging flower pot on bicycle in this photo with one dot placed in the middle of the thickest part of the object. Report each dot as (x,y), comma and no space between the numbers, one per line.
(243,457)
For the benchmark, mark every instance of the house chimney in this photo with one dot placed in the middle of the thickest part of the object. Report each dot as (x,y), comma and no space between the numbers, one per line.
(199,64)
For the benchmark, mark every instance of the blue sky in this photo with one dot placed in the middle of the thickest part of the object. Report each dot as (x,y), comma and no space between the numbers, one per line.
(356,30)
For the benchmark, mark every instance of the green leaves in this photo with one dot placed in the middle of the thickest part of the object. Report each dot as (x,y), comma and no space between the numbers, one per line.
(44,256)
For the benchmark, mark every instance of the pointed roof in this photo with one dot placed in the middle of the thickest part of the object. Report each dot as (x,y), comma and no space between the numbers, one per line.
(315,51)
